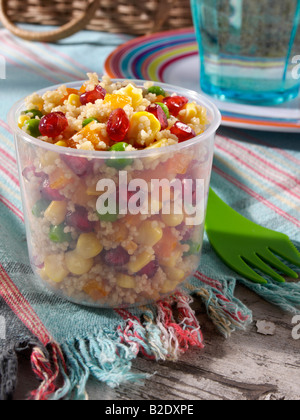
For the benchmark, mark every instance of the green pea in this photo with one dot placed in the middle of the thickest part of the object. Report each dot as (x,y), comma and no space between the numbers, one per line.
(108,217)
(195,248)
(88,121)
(58,235)
(119,163)
(33,127)
(119,147)
(40,207)
(164,108)
(35,113)
(157,90)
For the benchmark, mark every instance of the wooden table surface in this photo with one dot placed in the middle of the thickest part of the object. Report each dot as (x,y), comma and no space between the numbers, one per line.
(248,366)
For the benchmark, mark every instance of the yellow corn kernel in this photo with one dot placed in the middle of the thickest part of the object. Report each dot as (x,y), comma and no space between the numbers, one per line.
(143,129)
(22,120)
(78,265)
(61,143)
(125,281)
(92,191)
(141,261)
(54,270)
(168,287)
(173,259)
(74,100)
(149,235)
(188,113)
(56,212)
(43,274)
(88,246)
(134,93)
(175,275)
(172,220)
(158,144)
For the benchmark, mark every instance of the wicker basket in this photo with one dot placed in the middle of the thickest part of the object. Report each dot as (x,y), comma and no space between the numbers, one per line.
(135,17)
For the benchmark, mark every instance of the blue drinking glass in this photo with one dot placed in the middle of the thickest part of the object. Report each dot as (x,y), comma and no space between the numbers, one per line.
(249,49)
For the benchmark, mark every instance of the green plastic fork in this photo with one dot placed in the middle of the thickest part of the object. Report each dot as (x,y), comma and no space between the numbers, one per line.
(244,246)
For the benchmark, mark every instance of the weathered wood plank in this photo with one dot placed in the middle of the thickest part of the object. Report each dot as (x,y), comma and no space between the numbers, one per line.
(248,366)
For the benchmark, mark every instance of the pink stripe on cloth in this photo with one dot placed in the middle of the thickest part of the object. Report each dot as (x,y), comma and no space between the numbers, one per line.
(238,158)
(8,156)
(5,126)
(10,175)
(22,308)
(207,280)
(28,68)
(48,372)
(12,207)
(257,196)
(33,57)
(67,58)
(267,144)
(265,162)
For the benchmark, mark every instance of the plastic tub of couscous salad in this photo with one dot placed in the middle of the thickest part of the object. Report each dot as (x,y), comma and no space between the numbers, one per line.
(114,177)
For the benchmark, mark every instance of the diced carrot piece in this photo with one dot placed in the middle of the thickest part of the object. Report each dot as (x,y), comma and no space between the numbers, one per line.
(179,164)
(117,101)
(121,233)
(94,290)
(80,196)
(91,135)
(160,98)
(58,180)
(70,91)
(160,172)
(165,247)
(82,89)
(132,220)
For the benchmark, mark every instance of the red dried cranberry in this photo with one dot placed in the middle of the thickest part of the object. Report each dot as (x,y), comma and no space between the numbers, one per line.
(175,104)
(31,171)
(182,131)
(118,125)
(79,220)
(49,193)
(158,112)
(77,164)
(149,270)
(53,124)
(92,96)
(116,257)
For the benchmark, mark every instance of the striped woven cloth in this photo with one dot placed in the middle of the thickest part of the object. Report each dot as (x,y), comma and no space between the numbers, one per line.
(257,173)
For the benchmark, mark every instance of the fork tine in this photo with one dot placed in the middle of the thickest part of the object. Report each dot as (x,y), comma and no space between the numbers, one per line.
(286,249)
(256,262)
(241,267)
(271,259)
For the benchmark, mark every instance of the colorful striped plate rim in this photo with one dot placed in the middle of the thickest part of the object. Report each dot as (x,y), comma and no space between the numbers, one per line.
(172,57)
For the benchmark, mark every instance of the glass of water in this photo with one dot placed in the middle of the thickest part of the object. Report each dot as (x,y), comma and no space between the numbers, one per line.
(249,49)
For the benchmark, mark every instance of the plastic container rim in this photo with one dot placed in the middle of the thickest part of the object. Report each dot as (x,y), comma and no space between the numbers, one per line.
(200,99)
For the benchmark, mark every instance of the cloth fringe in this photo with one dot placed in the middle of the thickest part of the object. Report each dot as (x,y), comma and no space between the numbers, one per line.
(284,295)
(8,373)
(164,332)
(226,312)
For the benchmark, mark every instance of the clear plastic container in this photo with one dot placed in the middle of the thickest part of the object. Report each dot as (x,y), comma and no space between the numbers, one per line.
(142,249)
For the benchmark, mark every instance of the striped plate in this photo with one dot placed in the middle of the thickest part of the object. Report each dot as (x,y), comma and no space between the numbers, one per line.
(172,57)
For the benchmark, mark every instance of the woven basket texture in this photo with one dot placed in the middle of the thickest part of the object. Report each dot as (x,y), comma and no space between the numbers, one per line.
(134,17)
